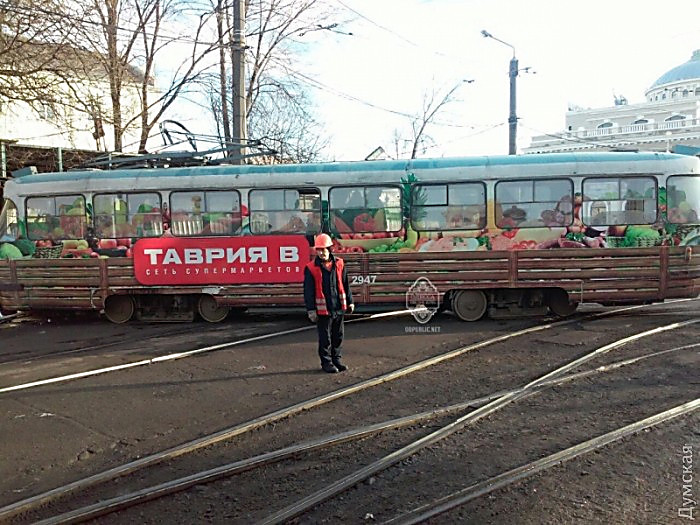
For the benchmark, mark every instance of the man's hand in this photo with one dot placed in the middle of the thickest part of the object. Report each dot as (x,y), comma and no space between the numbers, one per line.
(351,308)
(313,316)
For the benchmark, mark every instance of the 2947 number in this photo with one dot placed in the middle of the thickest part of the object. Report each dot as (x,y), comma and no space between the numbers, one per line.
(363,279)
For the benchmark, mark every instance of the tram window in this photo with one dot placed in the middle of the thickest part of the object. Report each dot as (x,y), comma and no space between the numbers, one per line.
(9,222)
(365,209)
(534,203)
(683,199)
(285,210)
(205,213)
(128,215)
(618,201)
(56,217)
(443,207)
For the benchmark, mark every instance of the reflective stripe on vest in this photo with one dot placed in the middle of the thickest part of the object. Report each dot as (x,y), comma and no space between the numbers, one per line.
(321,306)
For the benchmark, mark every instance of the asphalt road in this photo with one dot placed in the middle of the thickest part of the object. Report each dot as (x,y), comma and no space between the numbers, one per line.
(65,431)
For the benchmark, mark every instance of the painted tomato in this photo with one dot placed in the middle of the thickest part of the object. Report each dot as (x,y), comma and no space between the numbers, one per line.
(364,222)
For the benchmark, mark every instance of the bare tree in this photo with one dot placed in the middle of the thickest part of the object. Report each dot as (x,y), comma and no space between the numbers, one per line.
(127,36)
(61,53)
(33,41)
(432,106)
(277,107)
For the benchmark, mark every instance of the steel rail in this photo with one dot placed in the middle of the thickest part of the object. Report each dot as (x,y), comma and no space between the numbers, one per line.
(350,480)
(35,358)
(150,493)
(144,495)
(467,494)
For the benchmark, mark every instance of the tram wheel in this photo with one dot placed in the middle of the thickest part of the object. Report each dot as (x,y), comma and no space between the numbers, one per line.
(119,308)
(210,311)
(469,305)
(559,303)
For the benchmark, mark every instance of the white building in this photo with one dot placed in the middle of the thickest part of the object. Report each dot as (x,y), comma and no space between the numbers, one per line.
(80,116)
(669,116)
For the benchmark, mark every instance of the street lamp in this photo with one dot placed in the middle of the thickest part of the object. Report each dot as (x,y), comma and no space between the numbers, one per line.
(512,74)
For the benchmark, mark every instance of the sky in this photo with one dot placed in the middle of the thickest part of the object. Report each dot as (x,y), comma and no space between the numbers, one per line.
(401,51)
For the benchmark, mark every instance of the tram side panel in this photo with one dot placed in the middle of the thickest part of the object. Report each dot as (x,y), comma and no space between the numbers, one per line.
(606,276)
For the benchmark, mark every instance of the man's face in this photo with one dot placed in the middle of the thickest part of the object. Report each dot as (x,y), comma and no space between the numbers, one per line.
(323,253)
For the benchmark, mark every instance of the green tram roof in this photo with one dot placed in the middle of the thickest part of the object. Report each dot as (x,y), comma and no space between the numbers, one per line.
(406,166)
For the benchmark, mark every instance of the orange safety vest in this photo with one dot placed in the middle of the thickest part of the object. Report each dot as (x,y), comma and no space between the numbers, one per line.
(321,307)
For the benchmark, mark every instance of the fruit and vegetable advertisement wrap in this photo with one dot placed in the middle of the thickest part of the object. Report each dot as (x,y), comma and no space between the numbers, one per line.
(441,217)
(611,220)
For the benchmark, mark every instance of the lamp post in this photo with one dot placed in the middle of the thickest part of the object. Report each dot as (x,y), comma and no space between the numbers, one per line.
(512,74)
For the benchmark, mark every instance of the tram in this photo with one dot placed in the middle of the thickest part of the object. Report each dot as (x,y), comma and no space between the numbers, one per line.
(502,236)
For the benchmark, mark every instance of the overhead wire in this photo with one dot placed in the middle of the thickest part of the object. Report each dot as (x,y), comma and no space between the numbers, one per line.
(564,137)
(397,35)
(334,91)
(27,10)
(463,137)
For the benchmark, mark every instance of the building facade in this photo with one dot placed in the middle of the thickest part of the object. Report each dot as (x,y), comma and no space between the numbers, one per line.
(77,111)
(669,116)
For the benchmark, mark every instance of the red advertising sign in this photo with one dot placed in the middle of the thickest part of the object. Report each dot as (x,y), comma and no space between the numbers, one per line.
(221,260)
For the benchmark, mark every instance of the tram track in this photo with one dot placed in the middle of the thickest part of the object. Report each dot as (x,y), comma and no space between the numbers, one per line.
(35,356)
(228,433)
(463,496)
(352,479)
(122,342)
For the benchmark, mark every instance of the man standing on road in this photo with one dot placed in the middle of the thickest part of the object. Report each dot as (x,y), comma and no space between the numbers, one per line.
(327,296)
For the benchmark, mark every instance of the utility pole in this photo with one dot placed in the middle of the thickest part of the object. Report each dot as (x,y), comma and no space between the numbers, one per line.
(223,84)
(512,117)
(240,128)
(513,75)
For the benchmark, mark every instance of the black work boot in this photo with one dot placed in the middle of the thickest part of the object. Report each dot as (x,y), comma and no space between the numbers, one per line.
(330,368)
(340,366)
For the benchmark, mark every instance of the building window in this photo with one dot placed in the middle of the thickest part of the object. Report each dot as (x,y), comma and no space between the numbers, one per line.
(641,121)
(605,128)
(47,112)
(673,118)
(685,93)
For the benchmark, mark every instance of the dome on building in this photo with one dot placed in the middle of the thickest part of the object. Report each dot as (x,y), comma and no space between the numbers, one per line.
(687,71)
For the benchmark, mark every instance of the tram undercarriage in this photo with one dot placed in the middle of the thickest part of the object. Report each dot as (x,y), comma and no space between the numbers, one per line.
(164,308)
(505,303)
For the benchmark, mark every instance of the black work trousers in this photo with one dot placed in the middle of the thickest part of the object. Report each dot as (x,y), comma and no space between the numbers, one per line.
(330,338)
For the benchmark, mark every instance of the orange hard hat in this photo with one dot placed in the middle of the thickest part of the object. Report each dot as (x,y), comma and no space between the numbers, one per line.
(323,240)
